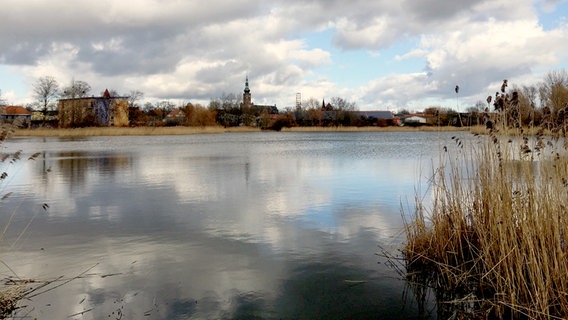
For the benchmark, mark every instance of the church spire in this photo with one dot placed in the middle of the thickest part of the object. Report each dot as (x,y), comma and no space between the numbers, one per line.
(247,99)
(247,90)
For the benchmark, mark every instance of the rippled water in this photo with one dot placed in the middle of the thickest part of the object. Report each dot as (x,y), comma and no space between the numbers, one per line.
(228,226)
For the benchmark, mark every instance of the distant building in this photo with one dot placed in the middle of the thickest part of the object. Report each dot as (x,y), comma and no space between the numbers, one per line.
(379,117)
(326,107)
(332,116)
(175,117)
(387,115)
(250,107)
(415,120)
(247,97)
(94,111)
(11,113)
(176,114)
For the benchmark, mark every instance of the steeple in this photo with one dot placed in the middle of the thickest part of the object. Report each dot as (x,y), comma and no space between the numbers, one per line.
(247,90)
(247,99)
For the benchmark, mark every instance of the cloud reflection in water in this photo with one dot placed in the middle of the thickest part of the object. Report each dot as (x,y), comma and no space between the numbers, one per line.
(221,226)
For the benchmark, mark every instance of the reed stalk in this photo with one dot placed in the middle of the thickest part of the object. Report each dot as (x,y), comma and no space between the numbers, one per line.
(496,231)
(13,288)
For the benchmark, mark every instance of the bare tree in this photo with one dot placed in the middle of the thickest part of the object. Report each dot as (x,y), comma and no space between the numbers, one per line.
(230,101)
(531,93)
(524,100)
(214,104)
(311,103)
(343,111)
(134,97)
(46,89)
(553,90)
(165,107)
(77,89)
(148,106)
(311,113)
(477,108)
(342,104)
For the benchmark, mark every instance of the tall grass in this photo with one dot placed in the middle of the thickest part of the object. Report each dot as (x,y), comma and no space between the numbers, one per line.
(493,243)
(375,129)
(127,131)
(184,130)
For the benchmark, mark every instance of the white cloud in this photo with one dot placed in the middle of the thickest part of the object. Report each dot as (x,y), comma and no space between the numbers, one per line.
(350,34)
(398,90)
(416,53)
(190,50)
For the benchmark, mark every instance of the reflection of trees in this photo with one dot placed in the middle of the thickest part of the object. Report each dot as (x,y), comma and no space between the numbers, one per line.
(77,165)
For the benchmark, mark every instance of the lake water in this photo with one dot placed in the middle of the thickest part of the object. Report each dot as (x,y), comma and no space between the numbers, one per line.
(221,226)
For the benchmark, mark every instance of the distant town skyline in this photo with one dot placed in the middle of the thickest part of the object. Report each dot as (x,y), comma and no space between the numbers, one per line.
(379,54)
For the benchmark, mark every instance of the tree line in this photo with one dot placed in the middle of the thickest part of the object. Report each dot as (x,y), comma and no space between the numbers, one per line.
(526,105)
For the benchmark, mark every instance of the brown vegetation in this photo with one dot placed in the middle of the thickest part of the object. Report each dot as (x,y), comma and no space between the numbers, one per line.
(375,129)
(127,131)
(494,241)
(182,130)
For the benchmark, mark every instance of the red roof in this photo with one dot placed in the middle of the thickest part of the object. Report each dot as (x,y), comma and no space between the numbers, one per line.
(14,111)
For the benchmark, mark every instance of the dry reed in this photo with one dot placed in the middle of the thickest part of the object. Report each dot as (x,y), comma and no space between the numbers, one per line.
(181,130)
(375,129)
(493,243)
(526,131)
(127,131)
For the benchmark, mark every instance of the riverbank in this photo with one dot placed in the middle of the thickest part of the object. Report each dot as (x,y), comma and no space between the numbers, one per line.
(148,131)
(125,131)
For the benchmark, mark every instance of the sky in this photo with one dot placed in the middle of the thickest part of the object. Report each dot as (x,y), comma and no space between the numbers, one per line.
(381,54)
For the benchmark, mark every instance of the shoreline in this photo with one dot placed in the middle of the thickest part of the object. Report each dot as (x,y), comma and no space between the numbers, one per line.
(151,131)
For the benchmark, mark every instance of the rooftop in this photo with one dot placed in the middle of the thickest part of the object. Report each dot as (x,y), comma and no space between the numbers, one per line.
(14,111)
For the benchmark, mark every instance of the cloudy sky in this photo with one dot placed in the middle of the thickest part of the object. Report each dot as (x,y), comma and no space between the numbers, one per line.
(381,54)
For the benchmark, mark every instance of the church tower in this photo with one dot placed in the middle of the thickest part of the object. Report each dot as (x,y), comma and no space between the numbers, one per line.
(247,100)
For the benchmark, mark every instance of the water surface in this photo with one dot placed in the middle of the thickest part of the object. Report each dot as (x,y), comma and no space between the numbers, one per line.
(220,226)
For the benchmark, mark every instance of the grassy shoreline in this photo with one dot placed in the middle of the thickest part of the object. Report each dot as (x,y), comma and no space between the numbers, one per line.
(148,131)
